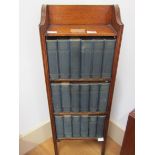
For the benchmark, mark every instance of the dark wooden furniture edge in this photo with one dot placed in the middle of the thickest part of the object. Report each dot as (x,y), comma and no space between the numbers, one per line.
(128,145)
(60,139)
(81,80)
(44,18)
(82,113)
(118,25)
(42,28)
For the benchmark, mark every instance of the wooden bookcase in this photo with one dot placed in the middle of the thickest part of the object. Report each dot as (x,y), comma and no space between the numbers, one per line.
(76,21)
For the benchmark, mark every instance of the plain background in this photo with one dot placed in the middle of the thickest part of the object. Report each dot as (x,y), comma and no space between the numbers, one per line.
(33,99)
(145,75)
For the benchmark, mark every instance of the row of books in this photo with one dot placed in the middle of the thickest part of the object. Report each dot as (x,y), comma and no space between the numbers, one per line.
(79,126)
(80,58)
(80,97)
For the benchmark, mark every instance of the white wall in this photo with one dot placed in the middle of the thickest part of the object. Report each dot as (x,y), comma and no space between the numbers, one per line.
(33,99)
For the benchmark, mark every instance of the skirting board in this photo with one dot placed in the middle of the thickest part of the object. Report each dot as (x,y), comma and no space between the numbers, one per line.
(116,133)
(42,133)
(35,137)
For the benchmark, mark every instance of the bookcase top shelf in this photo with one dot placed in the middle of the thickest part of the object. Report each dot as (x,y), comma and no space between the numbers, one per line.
(80,20)
(81,30)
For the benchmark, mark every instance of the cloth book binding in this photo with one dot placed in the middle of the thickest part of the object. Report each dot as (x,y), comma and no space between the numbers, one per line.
(80,97)
(75,58)
(80,58)
(59,126)
(75,97)
(65,94)
(79,126)
(94,94)
(64,58)
(76,126)
(56,97)
(108,57)
(52,51)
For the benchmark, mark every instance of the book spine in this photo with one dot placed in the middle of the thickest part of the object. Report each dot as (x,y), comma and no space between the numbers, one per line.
(109,49)
(76,126)
(100,126)
(86,58)
(98,49)
(75,58)
(94,93)
(84,97)
(65,94)
(59,126)
(67,126)
(103,97)
(56,97)
(52,58)
(64,60)
(92,126)
(84,126)
(75,97)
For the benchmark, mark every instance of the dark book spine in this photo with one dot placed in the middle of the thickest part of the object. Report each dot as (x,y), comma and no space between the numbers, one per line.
(92,126)
(100,126)
(84,126)
(103,97)
(98,49)
(94,93)
(75,58)
(64,58)
(56,97)
(84,97)
(76,126)
(59,126)
(52,58)
(67,126)
(65,94)
(109,49)
(75,97)
(86,58)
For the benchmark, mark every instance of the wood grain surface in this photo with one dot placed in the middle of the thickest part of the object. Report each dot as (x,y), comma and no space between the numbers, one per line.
(78,147)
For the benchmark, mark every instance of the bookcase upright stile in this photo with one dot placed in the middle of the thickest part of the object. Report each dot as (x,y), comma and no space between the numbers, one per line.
(80,21)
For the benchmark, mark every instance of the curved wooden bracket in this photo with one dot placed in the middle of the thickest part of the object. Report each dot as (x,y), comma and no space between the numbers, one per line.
(117,15)
(116,20)
(44,17)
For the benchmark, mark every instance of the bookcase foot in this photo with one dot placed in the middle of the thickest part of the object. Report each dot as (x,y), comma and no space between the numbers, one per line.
(103,148)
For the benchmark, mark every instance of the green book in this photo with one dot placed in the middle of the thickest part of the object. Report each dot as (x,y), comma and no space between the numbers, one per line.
(64,58)
(103,96)
(75,58)
(98,50)
(86,58)
(109,50)
(52,53)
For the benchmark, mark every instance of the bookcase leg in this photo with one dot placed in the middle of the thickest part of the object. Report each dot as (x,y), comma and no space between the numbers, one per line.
(105,136)
(103,148)
(55,147)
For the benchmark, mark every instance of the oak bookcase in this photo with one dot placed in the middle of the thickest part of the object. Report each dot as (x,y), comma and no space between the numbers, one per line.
(83,22)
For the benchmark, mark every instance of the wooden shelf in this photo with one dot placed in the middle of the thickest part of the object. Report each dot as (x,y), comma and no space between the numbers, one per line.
(81,80)
(81,30)
(80,138)
(82,113)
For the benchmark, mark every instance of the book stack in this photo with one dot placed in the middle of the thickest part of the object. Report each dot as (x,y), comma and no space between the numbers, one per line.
(80,97)
(75,59)
(80,58)
(79,126)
